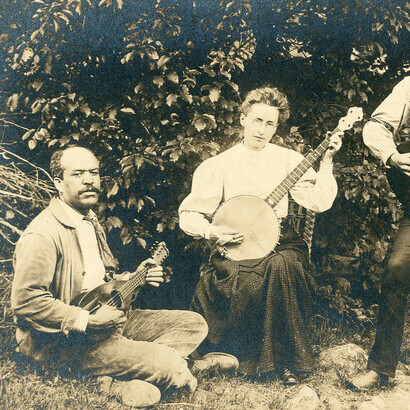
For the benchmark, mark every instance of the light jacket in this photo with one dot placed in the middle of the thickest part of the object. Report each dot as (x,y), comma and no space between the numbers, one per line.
(48,274)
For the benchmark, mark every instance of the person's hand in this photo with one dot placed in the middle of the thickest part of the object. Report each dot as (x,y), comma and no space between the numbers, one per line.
(106,317)
(335,143)
(401,162)
(223,235)
(155,274)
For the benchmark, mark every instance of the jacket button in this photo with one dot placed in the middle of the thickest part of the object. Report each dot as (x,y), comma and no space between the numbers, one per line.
(83,273)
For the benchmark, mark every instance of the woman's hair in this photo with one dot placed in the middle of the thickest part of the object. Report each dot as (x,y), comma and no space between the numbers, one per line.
(270,96)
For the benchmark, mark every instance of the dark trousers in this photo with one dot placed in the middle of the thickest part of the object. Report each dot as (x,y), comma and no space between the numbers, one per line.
(385,353)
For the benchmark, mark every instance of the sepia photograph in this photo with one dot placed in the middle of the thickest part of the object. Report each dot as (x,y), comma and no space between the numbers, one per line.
(205,204)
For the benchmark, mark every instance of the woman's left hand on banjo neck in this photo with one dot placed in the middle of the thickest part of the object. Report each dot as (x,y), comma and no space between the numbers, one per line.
(335,143)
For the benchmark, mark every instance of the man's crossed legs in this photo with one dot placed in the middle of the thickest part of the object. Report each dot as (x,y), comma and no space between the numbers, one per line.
(152,347)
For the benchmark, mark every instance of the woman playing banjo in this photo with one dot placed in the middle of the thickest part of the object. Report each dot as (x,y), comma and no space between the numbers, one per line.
(257,308)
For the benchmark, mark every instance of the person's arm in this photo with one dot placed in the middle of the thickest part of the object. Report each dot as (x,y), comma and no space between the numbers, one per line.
(35,261)
(317,191)
(197,209)
(32,300)
(378,133)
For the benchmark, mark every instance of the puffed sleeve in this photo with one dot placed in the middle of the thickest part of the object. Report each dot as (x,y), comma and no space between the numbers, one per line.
(315,191)
(197,209)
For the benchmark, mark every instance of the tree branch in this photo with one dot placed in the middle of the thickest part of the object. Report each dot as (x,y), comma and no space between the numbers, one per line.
(9,225)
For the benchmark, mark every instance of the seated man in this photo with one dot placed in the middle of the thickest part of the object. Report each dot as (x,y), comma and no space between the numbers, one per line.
(256,309)
(62,253)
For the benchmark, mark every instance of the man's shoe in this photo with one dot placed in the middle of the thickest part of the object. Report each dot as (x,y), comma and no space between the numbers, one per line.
(367,380)
(134,393)
(214,362)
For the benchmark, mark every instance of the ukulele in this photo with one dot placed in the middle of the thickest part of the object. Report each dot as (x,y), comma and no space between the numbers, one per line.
(120,293)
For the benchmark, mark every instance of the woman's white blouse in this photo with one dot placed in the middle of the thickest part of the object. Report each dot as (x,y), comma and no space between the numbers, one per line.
(241,171)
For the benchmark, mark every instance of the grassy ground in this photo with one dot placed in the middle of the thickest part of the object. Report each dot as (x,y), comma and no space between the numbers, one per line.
(25,386)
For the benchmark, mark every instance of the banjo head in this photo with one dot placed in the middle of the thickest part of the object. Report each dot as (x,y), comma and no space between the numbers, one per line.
(255,220)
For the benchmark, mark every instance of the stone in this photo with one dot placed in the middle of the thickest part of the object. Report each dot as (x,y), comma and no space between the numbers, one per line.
(343,362)
(254,400)
(305,399)
(134,393)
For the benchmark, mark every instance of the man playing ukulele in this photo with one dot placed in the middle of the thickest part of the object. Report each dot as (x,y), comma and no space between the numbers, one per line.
(62,253)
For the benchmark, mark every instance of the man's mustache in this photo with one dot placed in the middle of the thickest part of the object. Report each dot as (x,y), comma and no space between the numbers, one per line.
(91,189)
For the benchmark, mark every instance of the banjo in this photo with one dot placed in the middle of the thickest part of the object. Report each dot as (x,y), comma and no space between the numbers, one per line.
(255,218)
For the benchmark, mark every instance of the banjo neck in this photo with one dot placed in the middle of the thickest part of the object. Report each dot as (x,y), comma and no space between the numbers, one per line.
(287,184)
(354,114)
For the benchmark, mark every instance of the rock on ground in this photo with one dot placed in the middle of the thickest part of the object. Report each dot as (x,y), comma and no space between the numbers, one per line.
(342,362)
(305,399)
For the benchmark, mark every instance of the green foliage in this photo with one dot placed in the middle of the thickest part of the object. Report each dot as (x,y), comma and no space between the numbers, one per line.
(153,88)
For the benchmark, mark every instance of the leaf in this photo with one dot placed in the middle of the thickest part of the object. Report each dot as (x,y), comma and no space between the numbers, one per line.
(47,65)
(56,25)
(28,134)
(119,4)
(127,110)
(158,80)
(112,114)
(32,143)
(173,76)
(115,222)
(9,214)
(351,93)
(113,190)
(37,84)
(214,94)
(85,109)
(175,154)
(209,71)
(129,56)
(12,102)
(162,61)
(138,88)
(171,99)
(363,96)
(37,105)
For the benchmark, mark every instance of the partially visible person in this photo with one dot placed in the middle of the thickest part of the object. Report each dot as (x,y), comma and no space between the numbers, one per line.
(64,252)
(258,309)
(383,135)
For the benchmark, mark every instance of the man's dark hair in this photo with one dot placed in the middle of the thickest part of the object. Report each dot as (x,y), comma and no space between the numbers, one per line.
(270,96)
(56,170)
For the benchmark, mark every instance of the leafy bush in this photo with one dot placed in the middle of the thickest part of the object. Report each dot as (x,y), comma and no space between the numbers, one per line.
(154,90)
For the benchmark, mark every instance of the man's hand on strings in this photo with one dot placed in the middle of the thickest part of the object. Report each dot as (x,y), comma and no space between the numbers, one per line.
(335,143)
(155,274)
(401,162)
(223,235)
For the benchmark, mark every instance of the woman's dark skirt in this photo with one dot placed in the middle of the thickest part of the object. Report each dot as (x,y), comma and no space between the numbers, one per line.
(258,310)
